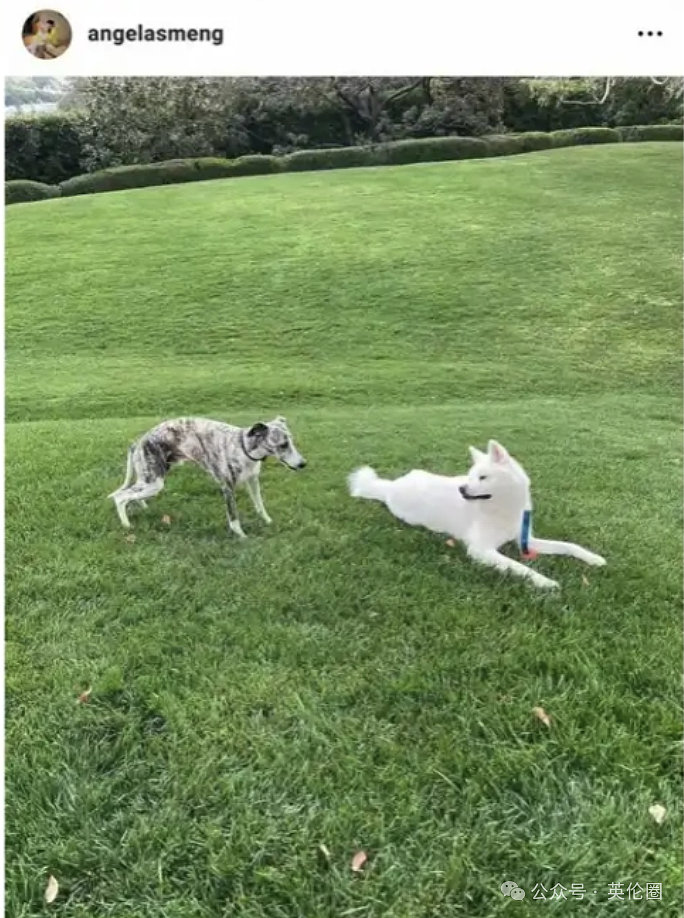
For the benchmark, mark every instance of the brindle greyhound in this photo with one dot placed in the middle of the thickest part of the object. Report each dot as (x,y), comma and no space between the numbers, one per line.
(231,455)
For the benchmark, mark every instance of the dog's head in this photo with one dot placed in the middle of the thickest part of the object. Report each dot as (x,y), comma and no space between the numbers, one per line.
(493,475)
(274,439)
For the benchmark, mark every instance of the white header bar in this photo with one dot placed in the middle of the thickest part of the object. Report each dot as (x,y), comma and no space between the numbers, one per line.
(357,37)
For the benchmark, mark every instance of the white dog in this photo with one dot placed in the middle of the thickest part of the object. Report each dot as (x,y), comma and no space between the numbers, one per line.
(485,509)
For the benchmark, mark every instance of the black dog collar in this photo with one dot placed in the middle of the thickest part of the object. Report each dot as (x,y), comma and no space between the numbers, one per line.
(247,452)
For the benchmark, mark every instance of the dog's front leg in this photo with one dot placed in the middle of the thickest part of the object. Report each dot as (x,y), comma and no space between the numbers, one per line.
(492,558)
(232,512)
(252,485)
(549,547)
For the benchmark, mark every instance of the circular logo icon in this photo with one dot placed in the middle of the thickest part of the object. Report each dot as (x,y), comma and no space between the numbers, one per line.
(517,893)
(46,34)
(507,887)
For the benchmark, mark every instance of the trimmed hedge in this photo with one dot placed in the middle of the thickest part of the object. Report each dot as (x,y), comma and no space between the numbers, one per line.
(535,140)
(638,132)
(433,149)
(253,164)
(399,152)
(504,144)
(47,147)
(172,172)
(578,136)
(330,158)
(120,178)
(21,191)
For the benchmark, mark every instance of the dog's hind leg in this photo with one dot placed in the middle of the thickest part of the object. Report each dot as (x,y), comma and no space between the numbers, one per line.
(231,512)
(252,485)
(121,503)
(129,472)
(139,492)
(493,558)
(549,547)
(142,490)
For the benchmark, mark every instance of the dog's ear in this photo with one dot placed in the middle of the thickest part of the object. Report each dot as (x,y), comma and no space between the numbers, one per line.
(258,431)
(496,452)
(476,455)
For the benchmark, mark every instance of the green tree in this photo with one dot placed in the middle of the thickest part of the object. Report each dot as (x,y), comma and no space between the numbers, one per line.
(149,119)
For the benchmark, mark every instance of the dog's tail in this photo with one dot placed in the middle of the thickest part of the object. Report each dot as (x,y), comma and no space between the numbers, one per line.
(365,483)
(129,471)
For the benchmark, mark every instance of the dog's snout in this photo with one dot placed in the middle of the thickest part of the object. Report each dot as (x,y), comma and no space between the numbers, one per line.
(302,464)
(462,490)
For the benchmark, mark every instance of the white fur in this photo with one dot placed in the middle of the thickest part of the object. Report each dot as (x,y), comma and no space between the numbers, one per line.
(440,503)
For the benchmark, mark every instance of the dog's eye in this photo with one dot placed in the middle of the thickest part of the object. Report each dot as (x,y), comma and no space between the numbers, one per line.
(483,477)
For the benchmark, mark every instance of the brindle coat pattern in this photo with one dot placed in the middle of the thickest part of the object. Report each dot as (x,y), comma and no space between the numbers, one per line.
(231,455)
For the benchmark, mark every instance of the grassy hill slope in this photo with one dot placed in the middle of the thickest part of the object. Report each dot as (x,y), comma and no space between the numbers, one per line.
(339,679)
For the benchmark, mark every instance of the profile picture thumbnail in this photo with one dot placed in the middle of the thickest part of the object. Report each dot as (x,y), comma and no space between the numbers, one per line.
(46,34)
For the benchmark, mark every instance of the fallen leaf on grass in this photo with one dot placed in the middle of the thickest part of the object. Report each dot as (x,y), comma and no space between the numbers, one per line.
(358,861)
(541,715)
(585,582)
(130,537)
(658,813)
(84,697)
(51,890)
(325,853)
(166,520)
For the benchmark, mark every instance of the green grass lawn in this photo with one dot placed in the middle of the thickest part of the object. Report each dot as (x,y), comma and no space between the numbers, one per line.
(339,679)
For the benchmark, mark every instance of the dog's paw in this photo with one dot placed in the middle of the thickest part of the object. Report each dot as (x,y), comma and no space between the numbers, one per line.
(595,560)
(545,583)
